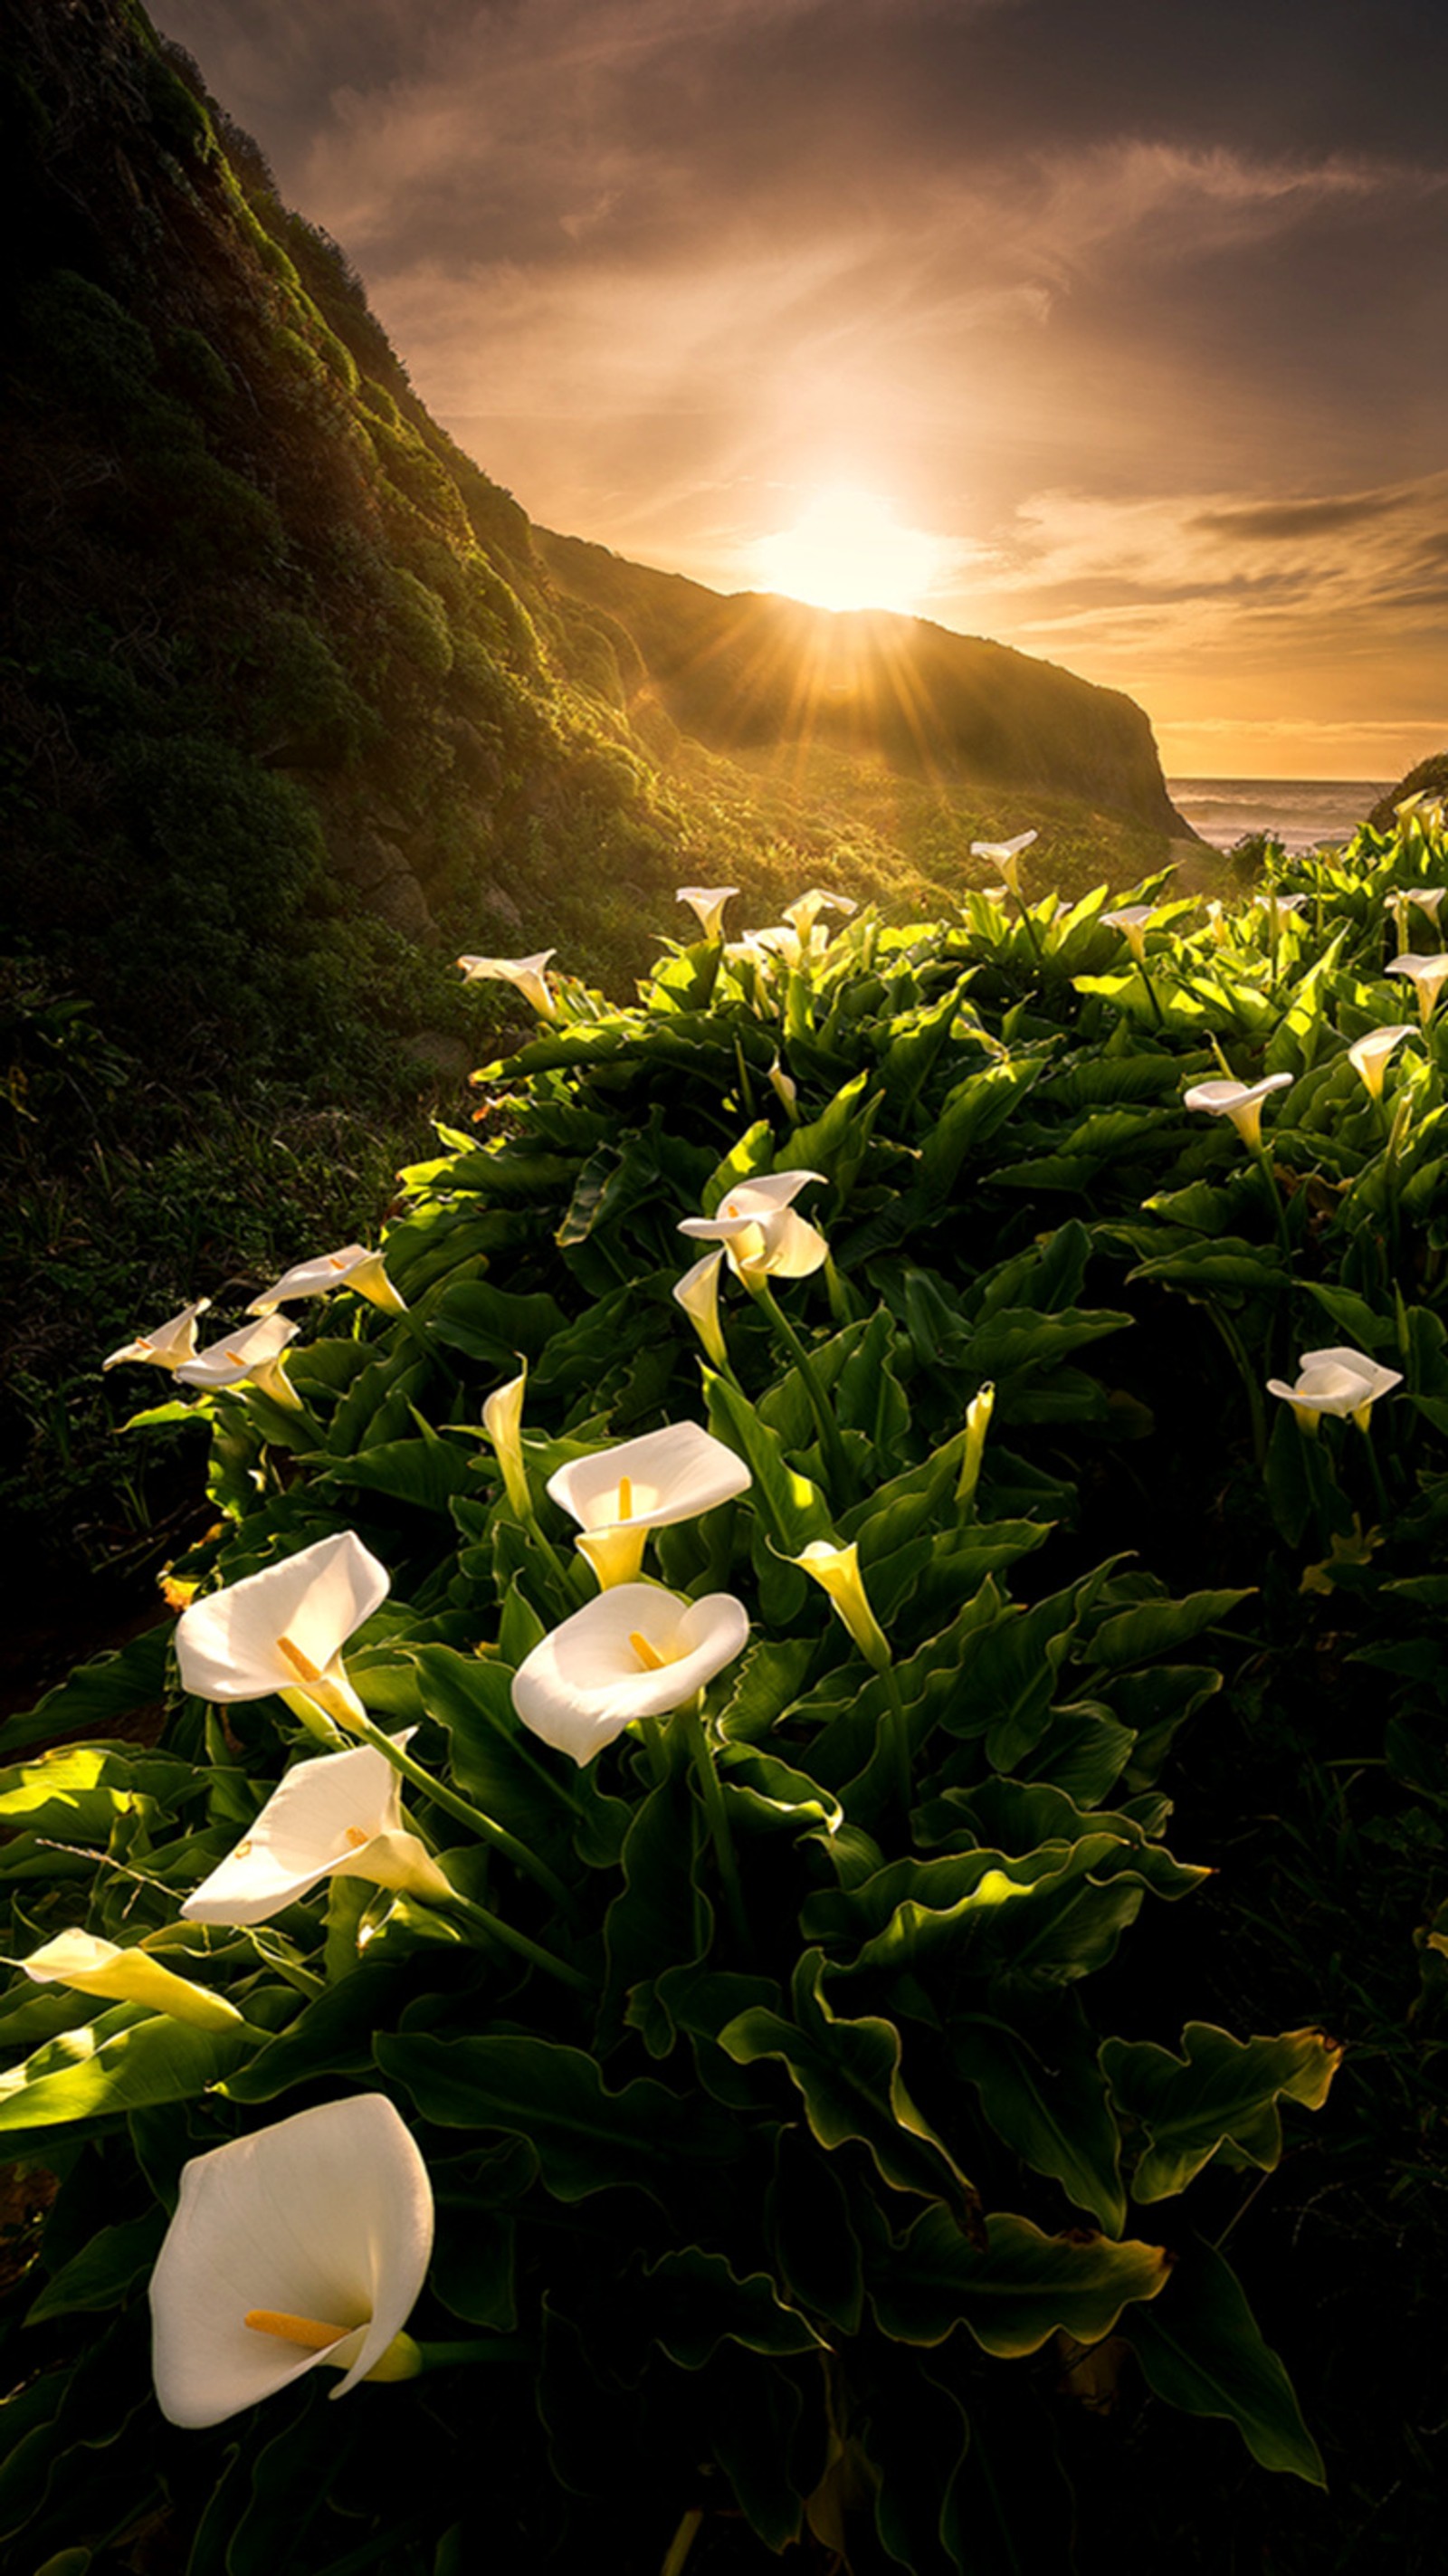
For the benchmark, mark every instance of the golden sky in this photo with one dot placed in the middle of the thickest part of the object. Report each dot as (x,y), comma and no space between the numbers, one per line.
(1114,329)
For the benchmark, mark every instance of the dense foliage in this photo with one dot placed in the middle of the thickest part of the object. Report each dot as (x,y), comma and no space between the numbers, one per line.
(820,2150)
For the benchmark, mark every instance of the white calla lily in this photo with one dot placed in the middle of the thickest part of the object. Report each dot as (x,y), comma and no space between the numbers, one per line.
(1239,1101)
(1369,1056)
(524,972)
(91,1966)
(338,1816)
(1005,855)
(1427,976)
(353,1267)
(804,912)
(759,1230)
(636,1651)
(618,1495)
(503,1423)
(284,1629)
(169,1345)
(306,2244)
(708,902)
(1339,1380)
(1133,921)
(251,1357)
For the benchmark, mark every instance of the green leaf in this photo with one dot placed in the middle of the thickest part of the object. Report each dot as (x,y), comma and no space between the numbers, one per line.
(586,2138)
(1201,2349)
(694,2301)
(1221,2089)
(125,2058)
(104,2271)
(849,2075)
(1014,2292)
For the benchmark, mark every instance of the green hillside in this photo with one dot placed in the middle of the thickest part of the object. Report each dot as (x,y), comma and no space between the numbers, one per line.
(297,706)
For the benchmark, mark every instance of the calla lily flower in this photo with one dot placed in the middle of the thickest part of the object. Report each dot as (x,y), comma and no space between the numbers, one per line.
(252,1356)
(169,1345)
(785,1089)
(526,972)
(95,1967)
(636,1651)
(1427,898)
(618,1495)
(1369,1057)
(339,1816)
(1132,920)
(805,911)
(757,1226)
(1340,1381)
(1427,975)
(1005,855)
(977,1423)
(837,1571)
(305,2244)
(353,1267)
(1239,1101)
(708,902)
(284,1629)
(698,1293)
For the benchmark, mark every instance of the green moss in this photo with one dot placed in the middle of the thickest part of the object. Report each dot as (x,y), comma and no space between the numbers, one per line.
(418,624)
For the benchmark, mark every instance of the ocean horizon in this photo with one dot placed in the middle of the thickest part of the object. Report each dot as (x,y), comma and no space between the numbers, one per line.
(1298,812)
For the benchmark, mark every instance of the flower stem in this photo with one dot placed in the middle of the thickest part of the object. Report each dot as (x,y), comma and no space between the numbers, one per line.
(453,2356)
(828,1428)
(899,1735)
(1255,1406)
(497,1930)
(483,1826)
(1264,1160)
(691,1723)
(1151,995)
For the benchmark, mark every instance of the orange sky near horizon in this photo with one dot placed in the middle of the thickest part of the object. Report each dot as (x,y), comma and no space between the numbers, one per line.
(1114,334)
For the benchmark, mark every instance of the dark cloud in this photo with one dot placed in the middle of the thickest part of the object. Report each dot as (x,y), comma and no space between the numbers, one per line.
(1300,518)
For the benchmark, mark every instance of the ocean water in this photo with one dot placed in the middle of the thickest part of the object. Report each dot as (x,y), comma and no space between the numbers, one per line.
(1299,812)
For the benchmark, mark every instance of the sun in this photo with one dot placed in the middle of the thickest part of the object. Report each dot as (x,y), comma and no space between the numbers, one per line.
(848,550)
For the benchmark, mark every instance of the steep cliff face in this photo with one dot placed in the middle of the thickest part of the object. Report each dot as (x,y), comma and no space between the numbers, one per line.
(746,671)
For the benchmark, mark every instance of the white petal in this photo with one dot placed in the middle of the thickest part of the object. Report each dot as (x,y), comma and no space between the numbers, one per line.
(226,1644)
(304,1832)
(672,1474)
(326,2215)
(585,1682)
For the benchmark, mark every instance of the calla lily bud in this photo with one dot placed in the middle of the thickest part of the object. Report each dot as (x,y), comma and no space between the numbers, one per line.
(526,973)
(339,1816)
(353,1267)
(698,1293)
(708,902)
(837,1571)
(169,1345)
(1369,1057)
(252,1356)
(283,1630)
(503,1423)
(1427,976)
(786,1091)
(95,1967)
(1239,1101)
(636,1651)
(620,1494)
(977,1424)
(304,2245)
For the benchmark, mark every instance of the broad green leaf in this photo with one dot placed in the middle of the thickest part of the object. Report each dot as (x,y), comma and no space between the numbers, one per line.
(694,2301)
(1220,2090)
(586,2138)
(849,2074)
(1201,2349)
(1015,2291)
(121,2060)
